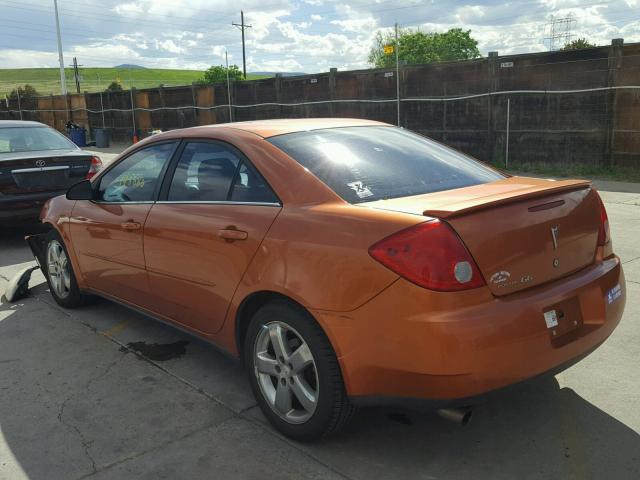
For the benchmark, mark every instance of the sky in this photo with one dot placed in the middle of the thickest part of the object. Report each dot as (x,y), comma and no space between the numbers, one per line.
(286,35)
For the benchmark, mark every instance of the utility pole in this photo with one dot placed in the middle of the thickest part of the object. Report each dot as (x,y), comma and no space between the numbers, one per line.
(397,75)
(63,80)
(226,61)
(76,74)
(242,26)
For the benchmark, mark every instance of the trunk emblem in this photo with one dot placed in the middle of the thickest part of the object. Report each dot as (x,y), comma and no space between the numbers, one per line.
(554,235)
(40,163)
(500,277)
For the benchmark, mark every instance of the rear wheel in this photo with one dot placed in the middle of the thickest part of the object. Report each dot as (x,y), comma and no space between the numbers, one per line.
(59,273)
(294,373)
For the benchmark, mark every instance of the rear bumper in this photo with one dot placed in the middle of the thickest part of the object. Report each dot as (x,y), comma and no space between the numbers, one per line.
(414,345)
(24,206)
(435,403)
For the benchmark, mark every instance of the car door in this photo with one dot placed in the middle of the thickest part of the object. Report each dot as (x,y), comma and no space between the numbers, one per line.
(212,214)
(107,231)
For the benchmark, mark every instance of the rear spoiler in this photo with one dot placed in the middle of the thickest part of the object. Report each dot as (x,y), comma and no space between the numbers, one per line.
(471,204)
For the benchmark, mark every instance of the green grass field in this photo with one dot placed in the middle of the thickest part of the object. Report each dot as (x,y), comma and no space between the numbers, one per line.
(47,80)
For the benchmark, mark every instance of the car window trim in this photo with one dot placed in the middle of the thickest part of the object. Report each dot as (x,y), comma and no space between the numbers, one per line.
(173,164)
(218,202)
(156,192)
(235,176)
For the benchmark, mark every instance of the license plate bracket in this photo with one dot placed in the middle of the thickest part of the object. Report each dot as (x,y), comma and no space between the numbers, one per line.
(47,179)
(563,317)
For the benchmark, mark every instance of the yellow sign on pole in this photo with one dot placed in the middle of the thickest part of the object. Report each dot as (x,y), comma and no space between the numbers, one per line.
(388,49)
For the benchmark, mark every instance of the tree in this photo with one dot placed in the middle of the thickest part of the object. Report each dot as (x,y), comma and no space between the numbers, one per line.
(27,93)
(114,86)
(419,47)
(578,44)
(218,74)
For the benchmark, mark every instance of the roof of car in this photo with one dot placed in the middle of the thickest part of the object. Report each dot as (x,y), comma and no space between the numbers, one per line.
(270,128)
(20,123)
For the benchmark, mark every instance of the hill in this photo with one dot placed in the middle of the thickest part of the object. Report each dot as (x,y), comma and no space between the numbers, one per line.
(273,74)
(130,66)
(47,80)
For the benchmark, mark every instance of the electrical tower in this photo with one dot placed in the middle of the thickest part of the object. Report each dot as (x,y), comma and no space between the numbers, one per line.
(560,31)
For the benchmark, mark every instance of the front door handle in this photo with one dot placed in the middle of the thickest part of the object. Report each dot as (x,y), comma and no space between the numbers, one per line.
(130,226)
(231,234)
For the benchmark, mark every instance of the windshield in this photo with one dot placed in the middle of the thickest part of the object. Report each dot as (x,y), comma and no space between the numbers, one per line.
(32,139)
(363,164)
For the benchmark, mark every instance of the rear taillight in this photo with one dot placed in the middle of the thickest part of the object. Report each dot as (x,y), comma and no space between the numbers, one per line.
(96,166)
(604,235)
(430,255)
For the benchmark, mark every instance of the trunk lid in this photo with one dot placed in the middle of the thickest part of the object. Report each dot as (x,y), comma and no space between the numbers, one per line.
(31,172)
(522,232)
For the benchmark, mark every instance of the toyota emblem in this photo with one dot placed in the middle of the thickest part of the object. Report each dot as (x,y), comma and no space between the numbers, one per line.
(40,163)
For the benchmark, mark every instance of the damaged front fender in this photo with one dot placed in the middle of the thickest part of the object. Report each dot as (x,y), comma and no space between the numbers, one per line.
(37,243)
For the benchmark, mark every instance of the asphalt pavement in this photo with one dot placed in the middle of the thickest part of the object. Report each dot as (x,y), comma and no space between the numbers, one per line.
(103,392)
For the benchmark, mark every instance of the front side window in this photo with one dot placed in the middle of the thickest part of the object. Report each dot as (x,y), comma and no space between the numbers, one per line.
(214,172)
(33,139)
(363,164)
(135,178)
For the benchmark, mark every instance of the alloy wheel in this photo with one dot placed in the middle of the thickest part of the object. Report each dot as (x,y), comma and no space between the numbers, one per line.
(58,269)
(286,372)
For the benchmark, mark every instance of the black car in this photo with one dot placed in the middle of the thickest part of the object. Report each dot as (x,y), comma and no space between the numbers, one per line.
(37,163)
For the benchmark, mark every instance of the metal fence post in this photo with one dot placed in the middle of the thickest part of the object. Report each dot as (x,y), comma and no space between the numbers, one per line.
(332,89)
(19,106)
(506,152)
(397,47)
(102,110)
(492,151)
(193,102)
(226,60)
(133,111)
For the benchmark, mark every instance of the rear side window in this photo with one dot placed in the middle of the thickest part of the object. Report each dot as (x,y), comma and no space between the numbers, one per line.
(249,186)
(214,172)
(363,164)
(204,173)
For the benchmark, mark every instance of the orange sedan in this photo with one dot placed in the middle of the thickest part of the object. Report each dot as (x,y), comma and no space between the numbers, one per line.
(346,262)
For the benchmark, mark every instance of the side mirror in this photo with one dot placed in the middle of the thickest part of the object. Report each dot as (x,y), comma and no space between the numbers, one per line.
(81,191)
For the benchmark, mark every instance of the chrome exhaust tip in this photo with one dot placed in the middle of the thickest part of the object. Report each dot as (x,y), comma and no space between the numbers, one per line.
(461,416)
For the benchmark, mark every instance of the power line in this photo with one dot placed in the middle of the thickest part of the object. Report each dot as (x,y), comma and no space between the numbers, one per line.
(257,50)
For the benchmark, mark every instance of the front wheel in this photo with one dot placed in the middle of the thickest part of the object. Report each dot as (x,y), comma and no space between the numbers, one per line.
(60,275)
(294,373)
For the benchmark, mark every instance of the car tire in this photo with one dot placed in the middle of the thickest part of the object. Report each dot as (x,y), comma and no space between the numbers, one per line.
(309,378)
(59,273)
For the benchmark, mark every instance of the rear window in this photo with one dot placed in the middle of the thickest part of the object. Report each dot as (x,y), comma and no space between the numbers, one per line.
(363,164)
(32,139)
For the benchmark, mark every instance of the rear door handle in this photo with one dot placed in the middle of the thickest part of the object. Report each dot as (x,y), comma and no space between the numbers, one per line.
(231,234)
(130,226)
